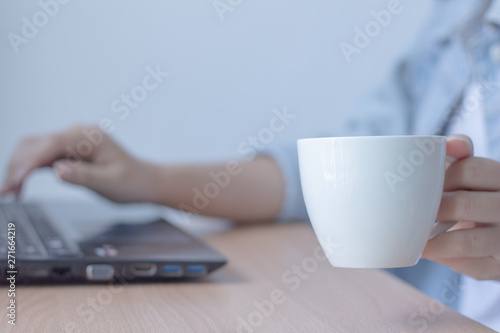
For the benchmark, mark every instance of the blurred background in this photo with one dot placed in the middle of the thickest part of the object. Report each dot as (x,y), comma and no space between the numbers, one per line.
(230,64)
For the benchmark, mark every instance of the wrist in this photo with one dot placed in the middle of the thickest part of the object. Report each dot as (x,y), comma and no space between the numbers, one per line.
(149,182)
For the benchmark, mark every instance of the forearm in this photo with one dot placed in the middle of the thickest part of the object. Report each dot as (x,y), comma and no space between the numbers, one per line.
(246,192)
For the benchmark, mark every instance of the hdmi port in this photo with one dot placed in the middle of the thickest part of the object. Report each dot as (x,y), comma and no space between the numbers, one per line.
(143,269)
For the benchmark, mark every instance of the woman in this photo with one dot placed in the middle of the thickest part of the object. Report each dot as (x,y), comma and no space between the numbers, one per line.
(448,85)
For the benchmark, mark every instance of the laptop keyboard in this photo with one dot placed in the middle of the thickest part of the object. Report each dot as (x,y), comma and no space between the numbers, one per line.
(35,235)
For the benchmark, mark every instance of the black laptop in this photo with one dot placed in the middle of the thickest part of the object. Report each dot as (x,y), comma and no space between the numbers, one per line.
(75,243)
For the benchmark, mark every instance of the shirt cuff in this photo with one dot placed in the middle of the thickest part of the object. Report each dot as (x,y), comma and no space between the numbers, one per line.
(286,156)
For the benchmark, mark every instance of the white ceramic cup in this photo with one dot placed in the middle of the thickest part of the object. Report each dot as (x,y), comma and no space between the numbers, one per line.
(373,201)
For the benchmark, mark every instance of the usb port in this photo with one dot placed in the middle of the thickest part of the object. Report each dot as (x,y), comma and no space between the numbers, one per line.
(196,270)
(172,270)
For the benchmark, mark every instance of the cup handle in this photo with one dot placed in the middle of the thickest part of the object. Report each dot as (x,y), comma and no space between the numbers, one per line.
(441,227)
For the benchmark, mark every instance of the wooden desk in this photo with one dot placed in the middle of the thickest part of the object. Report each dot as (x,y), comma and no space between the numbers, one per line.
(257,291)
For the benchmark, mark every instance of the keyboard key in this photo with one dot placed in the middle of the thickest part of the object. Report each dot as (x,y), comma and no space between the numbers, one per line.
(55,243)
(30,249)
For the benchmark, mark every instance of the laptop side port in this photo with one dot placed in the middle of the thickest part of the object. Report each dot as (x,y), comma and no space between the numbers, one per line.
(40,272)
(61,272)
(196,270)
(143,269)
(100,272)
(172,271)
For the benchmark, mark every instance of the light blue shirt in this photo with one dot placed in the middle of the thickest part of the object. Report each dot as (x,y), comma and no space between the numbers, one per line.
(457,47)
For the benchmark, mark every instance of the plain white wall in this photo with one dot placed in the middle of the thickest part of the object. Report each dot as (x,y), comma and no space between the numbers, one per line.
(226,76)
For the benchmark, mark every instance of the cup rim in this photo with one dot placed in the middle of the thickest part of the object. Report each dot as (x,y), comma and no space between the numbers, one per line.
(368,137)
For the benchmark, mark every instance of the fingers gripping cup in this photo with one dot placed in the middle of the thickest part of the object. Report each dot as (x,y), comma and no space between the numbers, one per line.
(375,198)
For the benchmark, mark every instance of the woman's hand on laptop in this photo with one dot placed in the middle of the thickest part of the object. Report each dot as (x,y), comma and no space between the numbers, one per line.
(88,157)
(471,196)
(81,155)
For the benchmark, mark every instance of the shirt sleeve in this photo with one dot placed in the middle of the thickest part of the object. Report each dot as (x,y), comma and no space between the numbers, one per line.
(286,156)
